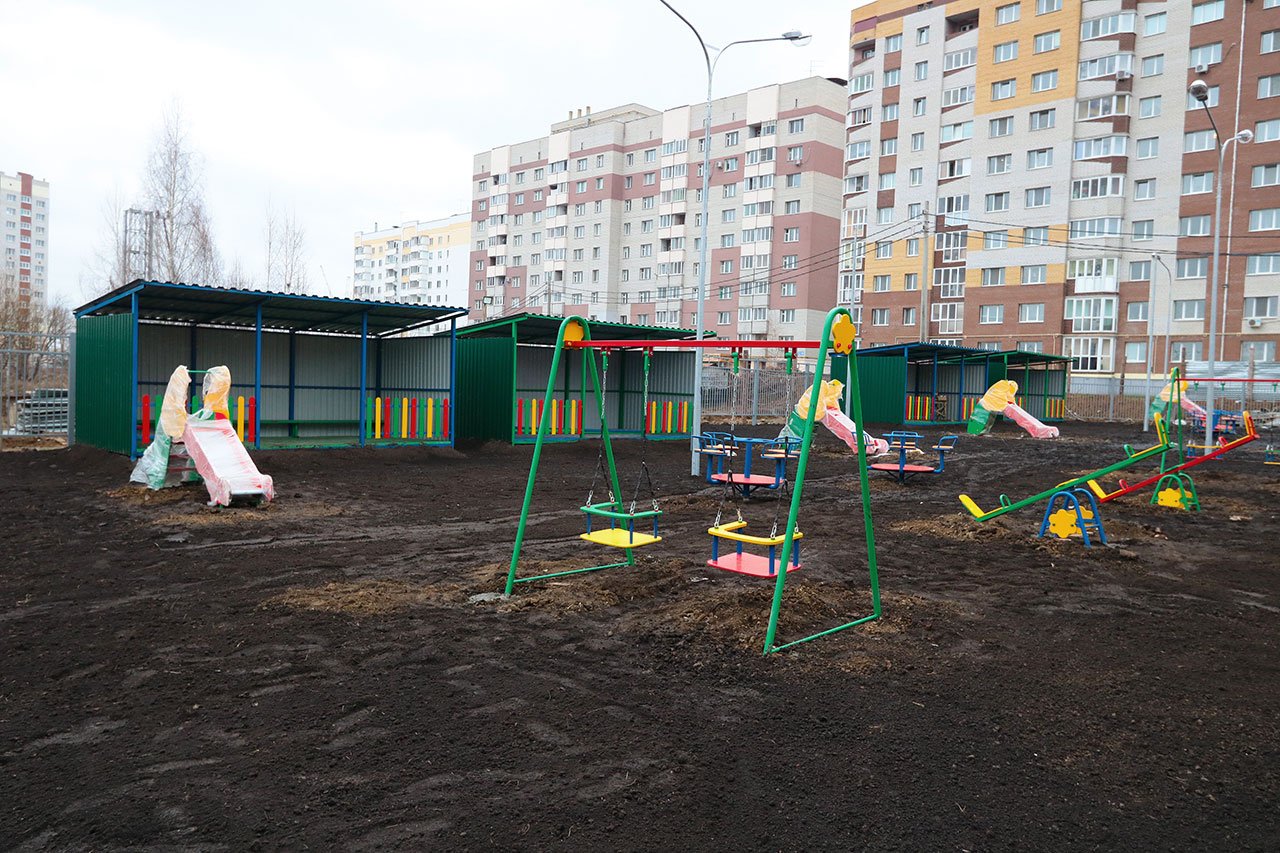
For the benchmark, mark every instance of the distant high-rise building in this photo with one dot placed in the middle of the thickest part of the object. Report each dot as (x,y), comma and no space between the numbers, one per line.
(420,262)
(602,217)
(24,222)
(1012,168)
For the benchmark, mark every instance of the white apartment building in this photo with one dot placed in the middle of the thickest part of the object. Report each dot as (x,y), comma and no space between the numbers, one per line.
(422,262)
(24,224)
(602,217)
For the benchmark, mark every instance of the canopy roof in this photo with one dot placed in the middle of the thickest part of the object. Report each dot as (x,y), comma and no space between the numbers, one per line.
(225,306)
(916,351)
(543,328)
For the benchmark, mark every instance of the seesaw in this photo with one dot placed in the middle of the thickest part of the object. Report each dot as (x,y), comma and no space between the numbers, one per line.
(1132,458)
(1185,497)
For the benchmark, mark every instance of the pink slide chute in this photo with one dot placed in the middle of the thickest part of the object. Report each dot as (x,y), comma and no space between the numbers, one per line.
(223,462)
(843,428)
(1033,426)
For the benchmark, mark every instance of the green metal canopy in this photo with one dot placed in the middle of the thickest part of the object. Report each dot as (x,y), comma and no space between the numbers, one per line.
(544,328)
(225,306)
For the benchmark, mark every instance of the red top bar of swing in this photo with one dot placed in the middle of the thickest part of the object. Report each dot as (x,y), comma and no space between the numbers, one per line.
(1224,380)
(709,343)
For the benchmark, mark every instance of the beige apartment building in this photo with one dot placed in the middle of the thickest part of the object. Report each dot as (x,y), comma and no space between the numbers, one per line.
(422,262)
(602,217)
(24,226)
(1040,169)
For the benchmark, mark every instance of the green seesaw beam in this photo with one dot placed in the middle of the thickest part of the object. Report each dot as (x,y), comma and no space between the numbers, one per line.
(1132,459)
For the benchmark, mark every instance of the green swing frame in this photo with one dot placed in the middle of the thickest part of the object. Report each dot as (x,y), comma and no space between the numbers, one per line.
(580,329)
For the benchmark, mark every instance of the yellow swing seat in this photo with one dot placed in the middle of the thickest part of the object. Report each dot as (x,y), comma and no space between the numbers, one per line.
(619,537)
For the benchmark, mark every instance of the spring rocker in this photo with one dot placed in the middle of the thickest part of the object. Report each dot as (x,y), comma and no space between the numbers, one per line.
(629,526)
(1065,516)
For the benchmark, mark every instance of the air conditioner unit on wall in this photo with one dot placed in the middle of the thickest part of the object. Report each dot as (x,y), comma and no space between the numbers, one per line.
(1202,68)
(1123,75)
(1254,322)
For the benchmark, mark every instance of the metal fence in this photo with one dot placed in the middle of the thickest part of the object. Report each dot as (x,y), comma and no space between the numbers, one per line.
(1107,398)
(35,382)
(755,394)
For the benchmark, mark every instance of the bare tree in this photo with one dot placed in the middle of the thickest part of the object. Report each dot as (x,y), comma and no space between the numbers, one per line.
(32,345)
(286,242)
(173,187)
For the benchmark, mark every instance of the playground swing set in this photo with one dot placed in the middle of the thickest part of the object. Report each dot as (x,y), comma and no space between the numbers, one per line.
(630,524)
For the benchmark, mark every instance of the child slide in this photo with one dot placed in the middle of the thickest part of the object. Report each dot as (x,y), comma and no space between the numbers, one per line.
(1000,400)
(837,422)
(1161,402)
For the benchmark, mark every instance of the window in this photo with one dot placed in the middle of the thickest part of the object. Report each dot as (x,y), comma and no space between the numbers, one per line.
(1186,351)
(1269,86)
(787,315)
(1046,42)
(1191,267)
(1002,126)
(1154,25)
(958,95)
(959,59)
(860,116)
(1261,307)
(1258,351)
(884,215)
(922,70)
(791,235)
(892,77)
(957,168)
(1149,107)
(1038,197)
(1212,98)
(1270,41)
(1031,312)
(1101,146)
(1008,14)
(1144,190)
(1148,148)
(911,281)
(1139,270)
(887,180)
(1003,52)
(1153,66)
(1188,309)
(796,125)
(858,150)
(992,276)
(792,206)
(1105,66)
(917,142)
(1267,131)
(989,314)
(1040,158)
(997,202)
(1194,226)
(1201,182)
(915,177)
(1035,274)
(1205,54)
(1203,13)
(1107,105)
(1044,81)
(893,43)
(999,164)
(788,288)
(1003,89)
(1091,313)
(889,112)
(790,262)
(1102,226)
(1042,119)
(922,35)
(795,153)
(879,316)
(1267,219)
(909,317)
(880,283)
(956,132)
(792,181)
(884,249)
(1136,352)
(1044,7)
(1137,312)
(1109,25)
(919,106)
(995,240)
(1263,265)
(1035,236)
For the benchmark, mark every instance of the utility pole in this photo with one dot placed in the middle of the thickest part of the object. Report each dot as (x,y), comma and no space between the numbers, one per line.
(925,254)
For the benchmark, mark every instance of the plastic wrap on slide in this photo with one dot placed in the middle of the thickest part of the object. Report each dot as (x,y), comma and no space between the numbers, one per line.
(845,429)
(1021,418)
(223,462)
(1193,408)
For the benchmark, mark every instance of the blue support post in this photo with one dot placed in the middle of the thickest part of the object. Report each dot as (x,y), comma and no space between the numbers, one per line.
(257,382)
(453,380)
(134,411)
(191,362)
(364,374)
(293,351)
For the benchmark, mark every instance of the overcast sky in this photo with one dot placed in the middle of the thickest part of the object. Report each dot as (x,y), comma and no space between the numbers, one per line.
(347,112)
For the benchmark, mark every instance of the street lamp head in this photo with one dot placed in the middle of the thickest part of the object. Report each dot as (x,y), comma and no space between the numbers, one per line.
(1199,90)
(1244,136)
(796,37)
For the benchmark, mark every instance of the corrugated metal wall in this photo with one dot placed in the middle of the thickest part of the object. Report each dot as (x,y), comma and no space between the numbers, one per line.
(326,373)
(883,382)
(104,372)
(484,388)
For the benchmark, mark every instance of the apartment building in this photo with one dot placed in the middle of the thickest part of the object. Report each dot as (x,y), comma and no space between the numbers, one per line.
(420,262)
(24,222)
(1040,168)
(602,217)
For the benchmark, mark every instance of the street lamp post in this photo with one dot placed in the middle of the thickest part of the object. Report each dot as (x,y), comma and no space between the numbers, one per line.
(795,37)
(1200,91)
(1151,334)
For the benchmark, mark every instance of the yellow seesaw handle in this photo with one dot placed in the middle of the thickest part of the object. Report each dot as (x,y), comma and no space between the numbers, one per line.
(971,506)
(1096,489)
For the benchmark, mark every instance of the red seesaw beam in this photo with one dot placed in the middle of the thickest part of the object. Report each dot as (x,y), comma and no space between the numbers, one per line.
(709,343)
(1125,489)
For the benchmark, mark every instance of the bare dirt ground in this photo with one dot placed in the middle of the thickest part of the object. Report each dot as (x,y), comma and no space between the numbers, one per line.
(315,675)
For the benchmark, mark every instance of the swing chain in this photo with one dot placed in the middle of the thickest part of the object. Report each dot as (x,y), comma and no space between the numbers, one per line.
(604,385)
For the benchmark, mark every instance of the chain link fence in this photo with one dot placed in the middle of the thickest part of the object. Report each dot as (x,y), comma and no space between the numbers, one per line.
(1239,387)
(35,382)
(755,394)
